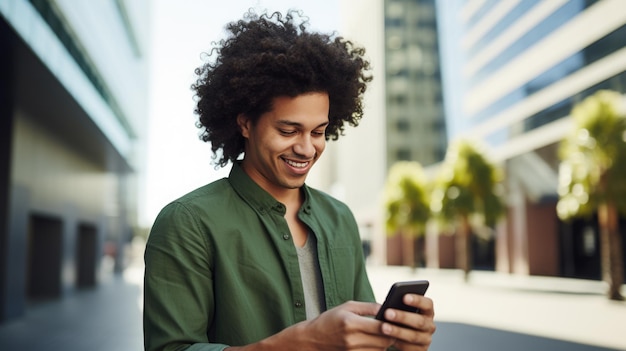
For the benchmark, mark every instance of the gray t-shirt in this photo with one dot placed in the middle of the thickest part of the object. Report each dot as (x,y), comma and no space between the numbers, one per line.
(311,278)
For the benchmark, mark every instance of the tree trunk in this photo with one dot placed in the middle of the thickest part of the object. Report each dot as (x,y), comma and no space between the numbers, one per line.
(408,249)
(418,251)
(611,250)
(464,246)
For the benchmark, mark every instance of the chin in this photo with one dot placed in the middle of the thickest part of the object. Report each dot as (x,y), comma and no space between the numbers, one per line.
(294,184)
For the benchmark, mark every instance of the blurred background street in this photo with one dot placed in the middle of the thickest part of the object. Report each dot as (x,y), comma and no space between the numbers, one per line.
(492,148)
(501,312)
(493,312)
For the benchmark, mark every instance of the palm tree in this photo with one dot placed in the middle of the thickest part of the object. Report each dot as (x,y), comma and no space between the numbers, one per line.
(592,173)
(467,194)
(407,205)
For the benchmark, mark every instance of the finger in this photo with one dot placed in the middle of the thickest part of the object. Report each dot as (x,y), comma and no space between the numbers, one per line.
(410,320)
(423,303)
(366,334)
(406,337)
(362,308)
(359,315)
(412,328)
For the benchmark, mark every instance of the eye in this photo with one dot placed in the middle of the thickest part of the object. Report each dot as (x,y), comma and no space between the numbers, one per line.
(286,132)
(318,132)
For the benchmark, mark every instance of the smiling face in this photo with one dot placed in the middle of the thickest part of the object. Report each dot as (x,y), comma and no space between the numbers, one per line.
(282,146)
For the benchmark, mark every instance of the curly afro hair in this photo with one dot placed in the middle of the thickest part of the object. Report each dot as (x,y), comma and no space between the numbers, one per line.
(268,56)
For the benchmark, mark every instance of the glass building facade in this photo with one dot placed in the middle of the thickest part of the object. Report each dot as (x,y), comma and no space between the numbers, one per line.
(543,44)
(414,99)
(519,67)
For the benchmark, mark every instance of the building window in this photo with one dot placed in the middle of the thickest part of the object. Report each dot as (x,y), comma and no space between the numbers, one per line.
(403,125)
(403,155)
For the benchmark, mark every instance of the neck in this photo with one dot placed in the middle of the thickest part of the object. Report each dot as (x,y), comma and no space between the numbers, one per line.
(287,196)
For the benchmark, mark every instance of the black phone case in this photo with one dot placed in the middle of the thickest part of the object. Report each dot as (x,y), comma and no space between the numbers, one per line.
(397,292)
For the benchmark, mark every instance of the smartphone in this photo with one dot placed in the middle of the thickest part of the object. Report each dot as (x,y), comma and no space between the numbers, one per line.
(397,292)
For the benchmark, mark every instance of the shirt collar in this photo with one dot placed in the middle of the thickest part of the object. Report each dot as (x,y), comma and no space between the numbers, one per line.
(254,195)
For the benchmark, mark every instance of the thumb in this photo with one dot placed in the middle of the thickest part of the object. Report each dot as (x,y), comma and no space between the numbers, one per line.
(362,308)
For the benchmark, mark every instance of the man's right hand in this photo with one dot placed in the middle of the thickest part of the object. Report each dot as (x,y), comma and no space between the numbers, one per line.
(350,326)
(347,327)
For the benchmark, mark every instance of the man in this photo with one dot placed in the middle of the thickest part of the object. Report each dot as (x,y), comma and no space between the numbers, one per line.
(259,260)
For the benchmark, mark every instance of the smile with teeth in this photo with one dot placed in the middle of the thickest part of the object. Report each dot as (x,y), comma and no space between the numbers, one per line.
(296,164)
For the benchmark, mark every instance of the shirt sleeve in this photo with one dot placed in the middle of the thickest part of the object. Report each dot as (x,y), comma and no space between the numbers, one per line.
(178,293)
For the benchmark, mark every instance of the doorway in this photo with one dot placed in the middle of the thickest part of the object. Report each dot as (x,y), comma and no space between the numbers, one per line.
(45,239)
(86,255)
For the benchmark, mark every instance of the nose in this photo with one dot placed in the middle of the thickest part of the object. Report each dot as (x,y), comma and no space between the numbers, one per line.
(305,147)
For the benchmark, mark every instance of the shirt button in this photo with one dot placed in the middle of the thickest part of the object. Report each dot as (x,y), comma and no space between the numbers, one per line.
(298,304)
(286,236)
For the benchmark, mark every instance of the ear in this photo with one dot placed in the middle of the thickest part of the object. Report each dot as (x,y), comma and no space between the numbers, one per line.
(244,125)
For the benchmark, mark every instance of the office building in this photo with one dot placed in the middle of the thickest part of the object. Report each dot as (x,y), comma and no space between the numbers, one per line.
(513,70)
(414,101)
(72,114)
(403,117)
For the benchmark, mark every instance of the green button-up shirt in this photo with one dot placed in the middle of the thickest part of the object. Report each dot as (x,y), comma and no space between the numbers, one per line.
(222,268)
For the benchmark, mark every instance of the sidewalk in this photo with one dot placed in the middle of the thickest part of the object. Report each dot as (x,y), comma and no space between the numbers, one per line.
(565,309)
(491,312)
(106,318)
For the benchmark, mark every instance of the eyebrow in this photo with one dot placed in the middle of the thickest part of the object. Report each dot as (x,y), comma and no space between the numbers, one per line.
(297,124)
